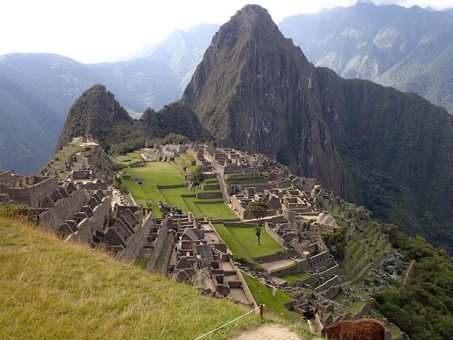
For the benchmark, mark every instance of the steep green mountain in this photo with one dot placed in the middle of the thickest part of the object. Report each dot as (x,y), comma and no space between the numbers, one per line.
(98,114)
(408,48)
(374,145)
(37,90)
(174,118)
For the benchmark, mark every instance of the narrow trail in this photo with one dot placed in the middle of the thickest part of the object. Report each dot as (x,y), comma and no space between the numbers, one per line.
(268,332)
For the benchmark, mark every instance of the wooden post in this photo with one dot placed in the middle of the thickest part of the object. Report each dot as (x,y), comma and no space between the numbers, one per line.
(261,310)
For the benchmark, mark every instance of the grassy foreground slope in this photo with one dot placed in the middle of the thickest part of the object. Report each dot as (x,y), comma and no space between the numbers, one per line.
(53,289)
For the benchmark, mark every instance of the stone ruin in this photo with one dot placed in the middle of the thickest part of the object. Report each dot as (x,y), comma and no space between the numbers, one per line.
(201,259)
(33,191)
(295,218)
(78,214)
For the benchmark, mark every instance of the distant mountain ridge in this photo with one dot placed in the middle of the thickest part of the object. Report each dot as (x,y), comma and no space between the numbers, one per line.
(407,48)
(390,151)
(37,90)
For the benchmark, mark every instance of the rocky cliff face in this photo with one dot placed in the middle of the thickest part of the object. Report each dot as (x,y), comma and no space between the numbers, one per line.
(391,151)
(174,118)
(255,90)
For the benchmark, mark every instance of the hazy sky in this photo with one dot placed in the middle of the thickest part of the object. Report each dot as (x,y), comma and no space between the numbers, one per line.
(101,30)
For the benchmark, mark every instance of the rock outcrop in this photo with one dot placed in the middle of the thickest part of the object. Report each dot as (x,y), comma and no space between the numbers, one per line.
(174,118)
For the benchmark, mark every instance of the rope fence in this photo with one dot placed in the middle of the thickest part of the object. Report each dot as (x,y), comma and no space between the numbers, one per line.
(260,307)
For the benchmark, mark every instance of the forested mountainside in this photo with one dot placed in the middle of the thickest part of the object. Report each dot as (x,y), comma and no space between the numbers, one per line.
(407,48)
(376,146)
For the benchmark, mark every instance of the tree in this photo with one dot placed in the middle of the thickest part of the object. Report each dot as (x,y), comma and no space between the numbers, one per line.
(259,211)
(258,234)
(196,177)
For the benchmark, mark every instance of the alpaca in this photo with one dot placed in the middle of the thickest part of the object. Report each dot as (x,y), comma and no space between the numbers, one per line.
(314,322)
(362,329)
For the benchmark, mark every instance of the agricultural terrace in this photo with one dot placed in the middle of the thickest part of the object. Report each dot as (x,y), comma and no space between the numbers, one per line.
(130,158)
(162,181)
(243,243)
(274,301)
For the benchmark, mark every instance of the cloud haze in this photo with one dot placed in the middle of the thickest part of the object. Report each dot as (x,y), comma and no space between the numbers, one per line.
(99,30)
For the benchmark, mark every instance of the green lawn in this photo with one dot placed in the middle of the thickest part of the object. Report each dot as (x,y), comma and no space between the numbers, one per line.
(292,278)
(243,243)
(216,211)
(165,174)
(273,303)
(131,157)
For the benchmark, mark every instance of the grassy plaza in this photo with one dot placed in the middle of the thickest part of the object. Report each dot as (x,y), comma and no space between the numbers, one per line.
(243,243)
(156,176)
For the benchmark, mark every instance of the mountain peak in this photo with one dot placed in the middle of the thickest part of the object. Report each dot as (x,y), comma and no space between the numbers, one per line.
(252,17)
(95,109)
(253,12)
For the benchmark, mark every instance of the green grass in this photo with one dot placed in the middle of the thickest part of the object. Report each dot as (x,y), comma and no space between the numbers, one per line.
(51,289)
(216,211)
(129,158)
(190,158)
(274,303)
(142,261)
(58,162)
(157,173)
(293,278)
(243,243)
(164,174)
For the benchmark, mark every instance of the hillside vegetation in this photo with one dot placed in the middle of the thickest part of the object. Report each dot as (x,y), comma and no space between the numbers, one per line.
(407,48)
(373,145)
(423,305)
(51,289)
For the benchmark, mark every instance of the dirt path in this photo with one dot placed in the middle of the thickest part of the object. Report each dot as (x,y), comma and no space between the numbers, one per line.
(268,332)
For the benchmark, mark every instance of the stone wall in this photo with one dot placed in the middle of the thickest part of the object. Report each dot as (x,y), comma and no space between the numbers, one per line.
(298,267)
(327,274)
(94,185)
(167,255)
(334,281)
(332,292)
(274,257)
(31,195)
(137,240)
(244,286)
(157,246)
(320,260)
(64,208)
(283,184)
(277,238)
(364,310)
(88,226)
(209,195)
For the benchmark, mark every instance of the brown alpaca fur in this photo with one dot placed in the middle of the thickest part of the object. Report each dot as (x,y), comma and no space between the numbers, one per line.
(362,329)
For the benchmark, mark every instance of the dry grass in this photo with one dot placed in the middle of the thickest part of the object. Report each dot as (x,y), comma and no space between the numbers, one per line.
(49,289)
